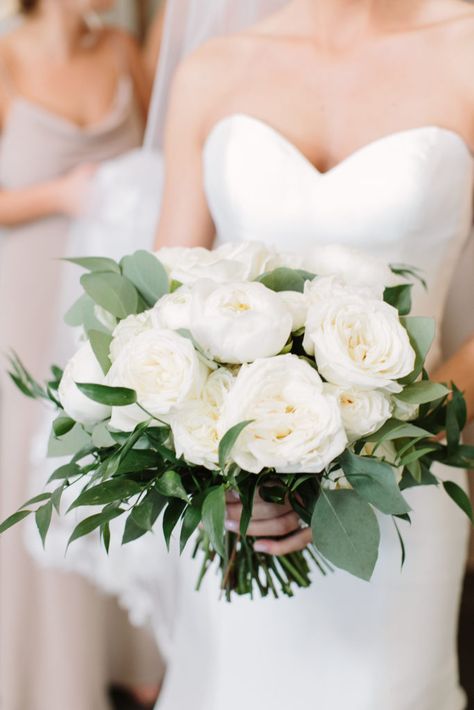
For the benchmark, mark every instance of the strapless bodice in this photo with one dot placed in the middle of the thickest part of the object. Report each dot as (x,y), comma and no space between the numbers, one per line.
(406,197)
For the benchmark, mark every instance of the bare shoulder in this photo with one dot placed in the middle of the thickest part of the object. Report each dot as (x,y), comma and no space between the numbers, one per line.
(115,37)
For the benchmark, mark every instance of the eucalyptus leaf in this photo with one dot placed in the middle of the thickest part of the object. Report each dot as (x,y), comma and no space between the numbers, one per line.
(399,297)
(213,518)
(284,279)
(346,532)
(96,263)
(110,396)
(421,332)
(375,482)
(100,344)
(147,274)
(82,314)
(422,392)
(113,292)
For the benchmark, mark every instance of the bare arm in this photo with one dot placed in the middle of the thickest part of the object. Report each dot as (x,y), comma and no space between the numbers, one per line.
(460,370)
(185,218)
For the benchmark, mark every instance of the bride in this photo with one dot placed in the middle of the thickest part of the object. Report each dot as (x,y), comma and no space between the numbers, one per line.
(331,121)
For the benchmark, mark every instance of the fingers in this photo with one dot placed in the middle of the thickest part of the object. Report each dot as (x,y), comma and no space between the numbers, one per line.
(282,525)
(261,511)
(294,543)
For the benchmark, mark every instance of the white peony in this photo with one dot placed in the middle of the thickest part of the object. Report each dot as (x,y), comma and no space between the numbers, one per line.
(195,427)
(173,311)
(164,370)
(298,306)
(127,330)
(239,322)
(329,288)
(354,267)
(363,411)
(252,258)
(296,427)
(84,369)
(239,261)
(359,342)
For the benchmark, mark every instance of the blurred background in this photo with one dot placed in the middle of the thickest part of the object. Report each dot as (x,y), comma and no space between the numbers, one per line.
(64,645)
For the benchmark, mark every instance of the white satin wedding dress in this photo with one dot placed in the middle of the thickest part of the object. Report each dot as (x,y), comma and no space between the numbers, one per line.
(343,644)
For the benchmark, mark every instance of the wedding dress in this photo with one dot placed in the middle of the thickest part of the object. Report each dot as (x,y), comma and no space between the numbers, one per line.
(342,644)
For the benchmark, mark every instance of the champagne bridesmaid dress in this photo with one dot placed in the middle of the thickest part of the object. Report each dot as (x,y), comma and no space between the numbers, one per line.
(54,628)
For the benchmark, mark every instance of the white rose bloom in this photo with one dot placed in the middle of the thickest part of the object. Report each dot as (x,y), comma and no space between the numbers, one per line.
(195,434)
(359,342)
(296,426)
(363,411)
(173,311)
(85,369)
(330,288)
(298,306)
(164,370)
(354,267)
(218,387)
(239,322)
(127,330)
(195,427)
(251,258)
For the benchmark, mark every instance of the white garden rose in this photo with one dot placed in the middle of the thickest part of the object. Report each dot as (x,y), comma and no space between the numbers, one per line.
(296,427)
(173,311)
(84,369)
(195,427)
(298,306)
(127,330)
(251,258)
(359,342)
(239,322)
(363,411)
(330,288)
(164,370)
(354,267)
(240,261)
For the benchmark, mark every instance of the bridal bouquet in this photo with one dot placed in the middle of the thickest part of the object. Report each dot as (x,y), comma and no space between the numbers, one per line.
(203,375)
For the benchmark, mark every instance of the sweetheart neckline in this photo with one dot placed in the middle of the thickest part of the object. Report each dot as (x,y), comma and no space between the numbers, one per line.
(356,153)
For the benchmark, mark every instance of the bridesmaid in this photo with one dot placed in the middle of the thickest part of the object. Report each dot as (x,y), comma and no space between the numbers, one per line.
(70,97)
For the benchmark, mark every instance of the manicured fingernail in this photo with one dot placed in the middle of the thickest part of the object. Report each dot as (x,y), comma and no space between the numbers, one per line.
(232,525)
(261,547)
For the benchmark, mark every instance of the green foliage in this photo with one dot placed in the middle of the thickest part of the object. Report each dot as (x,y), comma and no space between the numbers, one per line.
(113,491)
(109,396)
(96,263)
(421,332)
(213,518)
(284,279)
(399,297)
(113,292)
(94,522)
(228,442)
(346,532)
(170,485)
(460,497)
(375,482)
(147,274)
(43,520)
(62,425)
(100,344)
(422,392)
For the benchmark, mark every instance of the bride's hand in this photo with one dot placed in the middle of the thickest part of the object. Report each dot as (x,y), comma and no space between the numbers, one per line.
(270,520)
